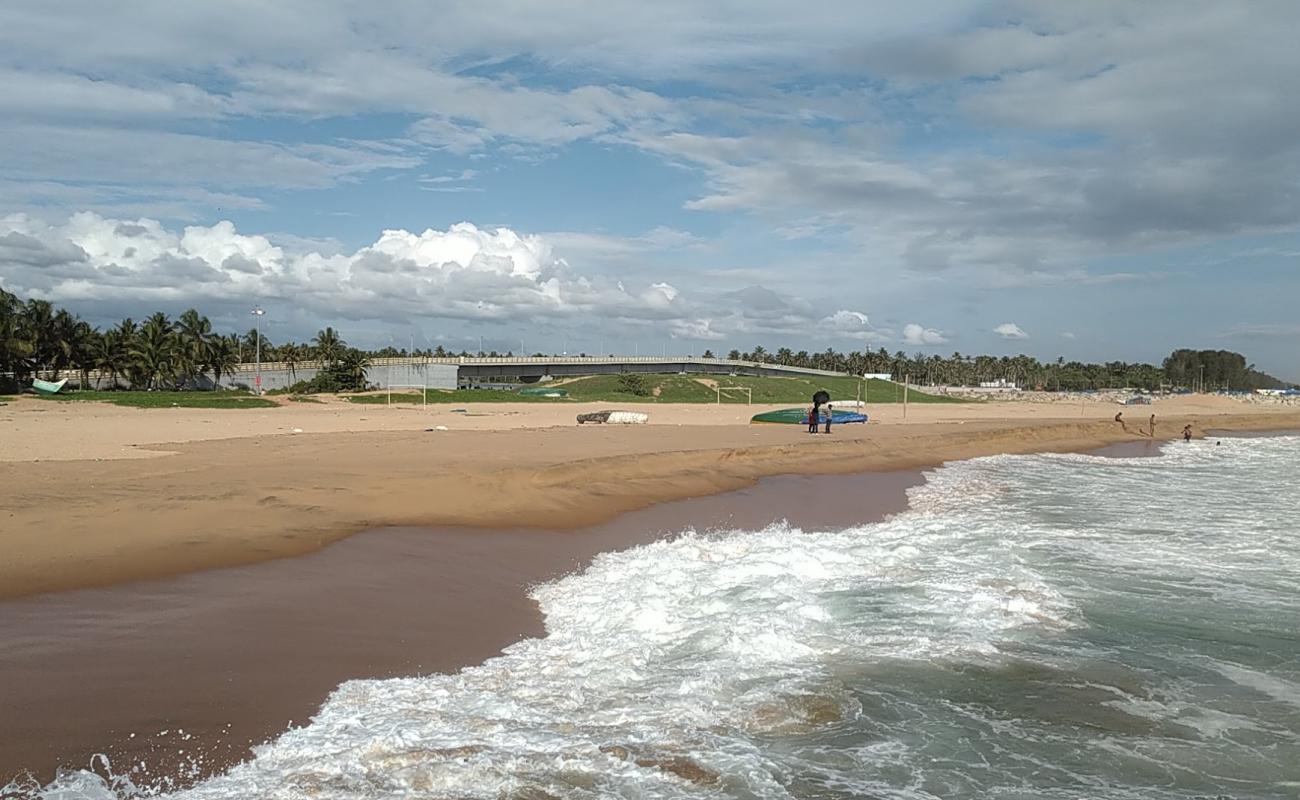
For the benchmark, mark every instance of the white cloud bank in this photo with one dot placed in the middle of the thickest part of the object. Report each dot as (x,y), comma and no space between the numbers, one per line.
(93,263)
(920,336)
(1010,330)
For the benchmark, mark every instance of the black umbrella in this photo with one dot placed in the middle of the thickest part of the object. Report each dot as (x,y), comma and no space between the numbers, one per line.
(821,398)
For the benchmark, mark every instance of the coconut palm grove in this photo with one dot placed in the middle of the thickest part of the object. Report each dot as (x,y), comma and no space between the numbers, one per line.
(159,352)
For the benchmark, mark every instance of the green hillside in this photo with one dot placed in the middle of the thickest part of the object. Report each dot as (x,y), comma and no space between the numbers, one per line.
(697,389)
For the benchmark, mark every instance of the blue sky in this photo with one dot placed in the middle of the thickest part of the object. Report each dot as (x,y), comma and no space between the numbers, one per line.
(1104,181)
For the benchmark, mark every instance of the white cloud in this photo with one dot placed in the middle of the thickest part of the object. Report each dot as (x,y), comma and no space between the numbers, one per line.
(462,273)
(1265,330)
(1010,330)
(918,335)
(1068,335)
(849,324)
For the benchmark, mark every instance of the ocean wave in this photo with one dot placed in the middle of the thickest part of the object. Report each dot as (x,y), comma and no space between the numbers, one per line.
(881,660)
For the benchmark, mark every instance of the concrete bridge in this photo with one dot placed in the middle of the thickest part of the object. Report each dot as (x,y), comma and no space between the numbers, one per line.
(529,368)
(449,373)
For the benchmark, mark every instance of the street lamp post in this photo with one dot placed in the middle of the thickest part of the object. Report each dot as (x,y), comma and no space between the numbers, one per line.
(257,313)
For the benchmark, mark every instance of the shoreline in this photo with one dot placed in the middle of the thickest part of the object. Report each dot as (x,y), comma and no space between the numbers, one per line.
(225,659)
(229,502)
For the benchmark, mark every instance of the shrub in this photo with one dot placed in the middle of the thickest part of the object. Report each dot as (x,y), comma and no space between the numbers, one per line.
(633,383)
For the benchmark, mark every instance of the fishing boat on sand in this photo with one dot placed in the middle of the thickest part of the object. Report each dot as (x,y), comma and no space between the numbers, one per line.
(799,416)
(47,387)
(614,418)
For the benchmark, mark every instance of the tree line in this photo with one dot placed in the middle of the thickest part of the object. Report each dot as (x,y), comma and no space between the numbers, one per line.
(1223,369)
(38,339)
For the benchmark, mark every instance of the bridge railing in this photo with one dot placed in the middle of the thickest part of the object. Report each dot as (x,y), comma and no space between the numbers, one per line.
(558,360)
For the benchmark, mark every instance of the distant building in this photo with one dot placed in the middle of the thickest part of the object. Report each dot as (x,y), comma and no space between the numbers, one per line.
(878,376)
(1001,383)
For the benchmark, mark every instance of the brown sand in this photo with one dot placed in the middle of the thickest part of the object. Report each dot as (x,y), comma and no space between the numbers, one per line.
(221,501)
(225,658)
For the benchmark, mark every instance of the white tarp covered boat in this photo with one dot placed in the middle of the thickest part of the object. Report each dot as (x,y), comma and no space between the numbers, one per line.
(614,418)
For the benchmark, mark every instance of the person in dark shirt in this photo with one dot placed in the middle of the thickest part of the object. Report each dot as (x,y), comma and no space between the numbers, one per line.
(1187,433)
(812,419)
(1119,417)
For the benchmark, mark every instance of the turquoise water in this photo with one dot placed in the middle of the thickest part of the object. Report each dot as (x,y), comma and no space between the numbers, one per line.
(1049,626)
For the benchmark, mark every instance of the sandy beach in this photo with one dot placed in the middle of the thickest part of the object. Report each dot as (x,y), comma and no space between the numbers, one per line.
(95,494)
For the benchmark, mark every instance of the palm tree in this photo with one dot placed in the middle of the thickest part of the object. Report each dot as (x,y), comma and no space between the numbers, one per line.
(38,320)
(223,357)
(154,348)
(85,346)
(353,365)
(291,355)
(328,346)
(194,335)
(16,346)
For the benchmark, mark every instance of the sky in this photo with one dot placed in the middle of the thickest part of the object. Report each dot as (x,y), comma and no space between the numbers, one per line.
(1098,181)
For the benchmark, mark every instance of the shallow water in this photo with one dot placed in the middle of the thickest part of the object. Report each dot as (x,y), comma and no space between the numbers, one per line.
(1059,626)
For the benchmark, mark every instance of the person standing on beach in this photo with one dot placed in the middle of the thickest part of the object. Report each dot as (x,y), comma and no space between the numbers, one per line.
(812,418)
(1153,426)
(1119,417)
(1187,433)
(829,414)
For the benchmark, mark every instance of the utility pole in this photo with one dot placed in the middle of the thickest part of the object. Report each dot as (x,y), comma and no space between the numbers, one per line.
(257,313)
(907,378)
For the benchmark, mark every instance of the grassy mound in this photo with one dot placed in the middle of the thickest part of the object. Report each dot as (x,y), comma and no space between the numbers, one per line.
(764,389)
(166,399)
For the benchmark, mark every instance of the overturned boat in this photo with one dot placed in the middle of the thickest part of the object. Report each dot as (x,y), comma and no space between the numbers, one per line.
(614,418)
(48,387)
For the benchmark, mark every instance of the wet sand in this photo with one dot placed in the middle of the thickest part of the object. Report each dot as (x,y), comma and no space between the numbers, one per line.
(222,659)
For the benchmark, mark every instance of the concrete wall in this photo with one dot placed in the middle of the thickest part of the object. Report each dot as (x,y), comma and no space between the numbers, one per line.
(435,376)
(277,376)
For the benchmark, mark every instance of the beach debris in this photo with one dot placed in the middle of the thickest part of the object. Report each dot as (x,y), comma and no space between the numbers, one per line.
(614,418)
(297,430)
(460,411)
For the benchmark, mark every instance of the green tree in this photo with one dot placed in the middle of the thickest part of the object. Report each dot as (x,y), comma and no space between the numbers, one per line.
(633,383)
(223,357)
(329,346)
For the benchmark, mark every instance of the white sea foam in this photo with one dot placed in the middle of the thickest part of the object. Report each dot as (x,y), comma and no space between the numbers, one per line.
(785,663)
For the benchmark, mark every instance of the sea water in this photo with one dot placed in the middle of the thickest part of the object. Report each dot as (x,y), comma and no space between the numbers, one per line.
(1047,626)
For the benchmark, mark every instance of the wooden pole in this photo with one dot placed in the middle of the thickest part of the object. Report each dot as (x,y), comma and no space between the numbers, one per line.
(906,380)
